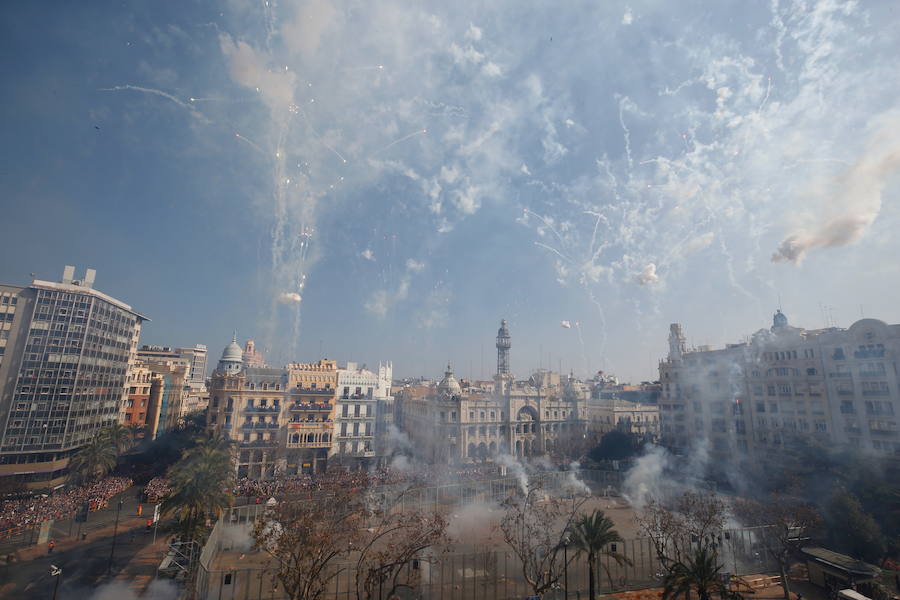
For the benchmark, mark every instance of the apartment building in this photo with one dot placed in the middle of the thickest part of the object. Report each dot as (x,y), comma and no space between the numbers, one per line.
(838,386)
(65,351)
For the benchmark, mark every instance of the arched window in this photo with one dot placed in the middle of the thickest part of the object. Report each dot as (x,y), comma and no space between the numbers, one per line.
(310,437)
(295,438)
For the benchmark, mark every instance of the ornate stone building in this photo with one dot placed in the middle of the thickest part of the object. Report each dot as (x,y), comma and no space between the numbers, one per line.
(453,423)
(837,386)
(283,420)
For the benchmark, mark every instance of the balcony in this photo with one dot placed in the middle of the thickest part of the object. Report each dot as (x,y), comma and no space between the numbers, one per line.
(262,409)
(312,425)
(312,392)
(260,426)
(259,444)
(316,445)
(310,407)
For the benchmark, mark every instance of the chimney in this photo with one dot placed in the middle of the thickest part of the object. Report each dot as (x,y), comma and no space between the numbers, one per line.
(89,277)
(68,274)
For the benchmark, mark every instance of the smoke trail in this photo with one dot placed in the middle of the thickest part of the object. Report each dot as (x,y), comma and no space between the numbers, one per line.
(136,88)
(852,199)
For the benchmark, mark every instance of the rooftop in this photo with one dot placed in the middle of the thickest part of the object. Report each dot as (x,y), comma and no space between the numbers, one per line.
(841,561)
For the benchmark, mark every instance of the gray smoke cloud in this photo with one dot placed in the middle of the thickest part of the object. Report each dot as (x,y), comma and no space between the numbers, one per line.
(852,200)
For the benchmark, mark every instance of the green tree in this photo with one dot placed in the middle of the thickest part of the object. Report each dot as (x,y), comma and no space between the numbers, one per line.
(852,530)
(591,536)
(701,573)
(94,460)
(200,482)
(615,445)
(119,436)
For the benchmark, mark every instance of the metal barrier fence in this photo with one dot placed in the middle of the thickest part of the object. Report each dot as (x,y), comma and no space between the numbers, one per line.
(490,574)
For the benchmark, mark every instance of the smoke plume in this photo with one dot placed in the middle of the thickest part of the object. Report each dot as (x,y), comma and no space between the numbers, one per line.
(852,200)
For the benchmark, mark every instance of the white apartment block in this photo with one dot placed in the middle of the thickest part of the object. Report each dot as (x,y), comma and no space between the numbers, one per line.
(838,386)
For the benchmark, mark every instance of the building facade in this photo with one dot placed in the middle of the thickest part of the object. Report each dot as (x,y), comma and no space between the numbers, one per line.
(291,420)
(65,351)
(198,356)
(137,401)
(452,424)
(836,386)
(362,415)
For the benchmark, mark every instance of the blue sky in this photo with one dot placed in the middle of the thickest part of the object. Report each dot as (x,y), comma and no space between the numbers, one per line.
(385,181)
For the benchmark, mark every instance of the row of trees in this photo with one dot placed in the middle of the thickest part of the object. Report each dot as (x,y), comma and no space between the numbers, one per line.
(311,542)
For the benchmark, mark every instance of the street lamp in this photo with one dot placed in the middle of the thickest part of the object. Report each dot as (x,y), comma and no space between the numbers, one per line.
(55,572)
(565,542)
(112,550)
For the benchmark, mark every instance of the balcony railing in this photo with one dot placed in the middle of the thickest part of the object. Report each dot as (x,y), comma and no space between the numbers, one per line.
(317,425)
(262,409)
(260,426)
(309,407)
(313,391)
(309,444)
(259,444)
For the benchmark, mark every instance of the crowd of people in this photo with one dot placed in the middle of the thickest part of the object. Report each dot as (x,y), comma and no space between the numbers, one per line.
(157,489)
(27,512)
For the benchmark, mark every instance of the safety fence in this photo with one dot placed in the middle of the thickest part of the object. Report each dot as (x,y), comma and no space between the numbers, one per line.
(488,574)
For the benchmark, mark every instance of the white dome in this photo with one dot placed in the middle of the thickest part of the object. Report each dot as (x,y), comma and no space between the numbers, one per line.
(232,352)
(448,384)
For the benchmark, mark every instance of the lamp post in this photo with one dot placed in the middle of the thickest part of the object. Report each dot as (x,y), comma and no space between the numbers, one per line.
(566,565)
(112,549)
(55,572)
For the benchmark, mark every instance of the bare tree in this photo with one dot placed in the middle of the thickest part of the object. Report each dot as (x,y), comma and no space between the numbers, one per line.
(305,541)
(534,526)
(677,530)
(785,523)
(394,544)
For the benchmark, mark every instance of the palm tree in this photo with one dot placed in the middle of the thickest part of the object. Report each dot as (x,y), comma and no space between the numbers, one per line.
(701,572)
(94,460)
(591,535)
(120,436)
(200,482)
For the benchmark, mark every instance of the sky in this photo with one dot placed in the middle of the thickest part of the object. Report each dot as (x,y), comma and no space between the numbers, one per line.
(373,181)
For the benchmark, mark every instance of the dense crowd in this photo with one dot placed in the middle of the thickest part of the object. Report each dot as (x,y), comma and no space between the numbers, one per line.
(157,488)
(286,485)
(60,505)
